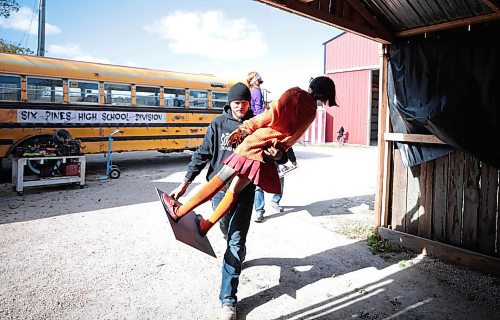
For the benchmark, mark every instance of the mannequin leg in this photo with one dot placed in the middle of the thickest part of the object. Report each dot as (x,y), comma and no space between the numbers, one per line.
(230,198)
(205,193)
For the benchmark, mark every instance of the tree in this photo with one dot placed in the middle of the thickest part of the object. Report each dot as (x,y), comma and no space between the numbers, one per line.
(10,47)
(8,6)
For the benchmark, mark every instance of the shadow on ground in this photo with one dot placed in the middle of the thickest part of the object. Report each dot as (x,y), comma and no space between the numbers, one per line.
(338,206)
(136,185)
(404,291)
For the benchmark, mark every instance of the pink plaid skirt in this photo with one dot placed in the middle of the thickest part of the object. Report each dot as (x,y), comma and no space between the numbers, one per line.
(262,174)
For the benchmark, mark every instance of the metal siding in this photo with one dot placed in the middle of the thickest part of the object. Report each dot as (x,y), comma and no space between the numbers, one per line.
(399,15)
(315,134)
(350,51)
(352,97)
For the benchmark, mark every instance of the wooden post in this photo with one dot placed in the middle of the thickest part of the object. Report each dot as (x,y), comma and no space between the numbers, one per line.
(384,148)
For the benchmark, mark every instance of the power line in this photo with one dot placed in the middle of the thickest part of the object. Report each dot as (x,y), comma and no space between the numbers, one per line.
(35,12)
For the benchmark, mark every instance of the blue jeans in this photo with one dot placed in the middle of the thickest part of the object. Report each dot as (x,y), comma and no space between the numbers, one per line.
(234,226)
(277,196)
(259,202)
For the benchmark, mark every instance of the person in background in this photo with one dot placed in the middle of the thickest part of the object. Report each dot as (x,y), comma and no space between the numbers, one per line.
(254,80)
(275,200)
(235,224)
(340,133)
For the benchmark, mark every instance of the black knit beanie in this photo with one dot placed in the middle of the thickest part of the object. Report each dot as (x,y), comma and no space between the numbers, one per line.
(239,92)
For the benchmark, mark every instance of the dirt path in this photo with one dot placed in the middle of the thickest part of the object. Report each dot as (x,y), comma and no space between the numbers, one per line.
(107,252)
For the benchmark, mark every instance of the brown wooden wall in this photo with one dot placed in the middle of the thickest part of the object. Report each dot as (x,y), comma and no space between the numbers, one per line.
(453,200)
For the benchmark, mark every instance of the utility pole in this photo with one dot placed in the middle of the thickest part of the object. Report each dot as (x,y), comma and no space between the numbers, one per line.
(41,29)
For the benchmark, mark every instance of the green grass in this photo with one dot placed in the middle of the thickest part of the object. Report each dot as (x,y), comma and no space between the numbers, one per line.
(382,247)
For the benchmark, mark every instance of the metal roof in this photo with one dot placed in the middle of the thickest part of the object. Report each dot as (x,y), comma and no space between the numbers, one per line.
(402,15)
(387,20)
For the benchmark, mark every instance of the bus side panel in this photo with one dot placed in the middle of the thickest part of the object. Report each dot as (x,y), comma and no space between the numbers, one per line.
(8,116)
(95,140)
(181,131)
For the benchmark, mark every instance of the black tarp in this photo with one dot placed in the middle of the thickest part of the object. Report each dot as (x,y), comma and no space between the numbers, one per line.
(448,84)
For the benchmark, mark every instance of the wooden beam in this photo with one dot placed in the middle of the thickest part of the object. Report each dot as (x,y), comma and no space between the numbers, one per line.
(418,138)
(449,25)
(368,16)
(384,149)
(322,14)
(491,5)
(442,251)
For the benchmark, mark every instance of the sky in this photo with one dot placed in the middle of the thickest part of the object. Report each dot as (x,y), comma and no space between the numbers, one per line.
(227,38)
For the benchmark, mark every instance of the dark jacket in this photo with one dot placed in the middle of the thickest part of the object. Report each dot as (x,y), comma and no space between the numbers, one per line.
(214,148)
(291,155)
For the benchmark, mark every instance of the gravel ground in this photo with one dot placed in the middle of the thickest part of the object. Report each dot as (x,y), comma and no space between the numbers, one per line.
(107,251)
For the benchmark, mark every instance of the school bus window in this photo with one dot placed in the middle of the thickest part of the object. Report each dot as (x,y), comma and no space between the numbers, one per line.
(81,91)
(117,94)
(174,98)
(219,100)
(147,96)
(198,99)
(45,90)
(10,88)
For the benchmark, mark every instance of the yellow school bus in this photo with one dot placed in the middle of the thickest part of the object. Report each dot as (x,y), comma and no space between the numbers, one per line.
(153,109)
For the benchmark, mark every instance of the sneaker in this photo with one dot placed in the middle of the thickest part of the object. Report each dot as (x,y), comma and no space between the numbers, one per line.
(276,206)
(170,206)
(228,313)
(259,216)
(199,219)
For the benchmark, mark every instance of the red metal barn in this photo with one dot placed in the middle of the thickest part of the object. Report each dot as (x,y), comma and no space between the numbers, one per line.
(353,64)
